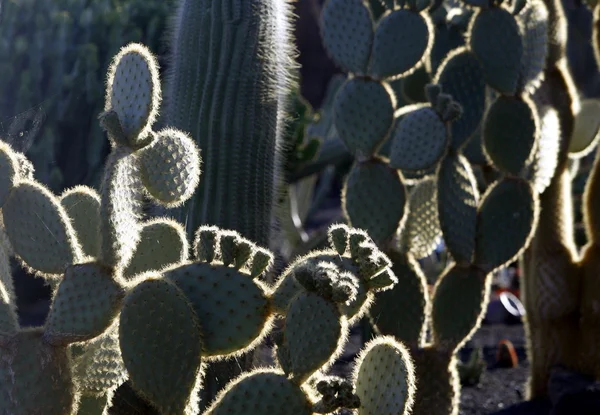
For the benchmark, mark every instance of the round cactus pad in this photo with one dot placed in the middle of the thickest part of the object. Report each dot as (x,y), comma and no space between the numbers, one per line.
(497,42)
(347,32)
(462,76)
(511,134)
(363,114)
(158,331)
(82,205)
(384,378)
(261,392)
(419,140)
(233,308)
(506,221)
(39,229)
(402,40)
(374,199)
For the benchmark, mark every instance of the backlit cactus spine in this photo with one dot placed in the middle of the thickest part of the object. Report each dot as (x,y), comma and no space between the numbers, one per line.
(426,142)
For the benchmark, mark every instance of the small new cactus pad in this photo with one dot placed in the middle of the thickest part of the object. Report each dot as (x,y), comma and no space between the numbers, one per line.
(312,341)
(206,243)
(347,32)
(39,229)
(585,134)
(82,205)
(384,378)
(35,377)
(422,232)
(496,40)
(233,309)
(9,171)
(121,202)
(402,40)
(170,167)
(457,198)
(86,303)
(459,299)
(374,199)
(158,331)
(462,76)
(407,298)
(261,392)
(134,92)
(163,243)
(363,114)
(506,220)
(511,133)
(533,18)
(419,140)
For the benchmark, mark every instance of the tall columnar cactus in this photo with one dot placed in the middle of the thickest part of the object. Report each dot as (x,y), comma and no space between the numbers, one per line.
(230,72)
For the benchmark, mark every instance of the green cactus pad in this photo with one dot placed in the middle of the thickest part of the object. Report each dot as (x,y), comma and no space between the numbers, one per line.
(408,298)
(511,134)
(39,229)
(363,114)
(347,32)
(422,232)
(462,76)
(82,205)
(163,243)
(35,377)
(374,199)
(206,243)
(497,42)
(159,331)
(384,378)
(261,392)
(459,302)
(170,167)
(586,132)
(9,171)
(534,21)
(420,139)
(506,221)
(312,342)
(402,40)
(121,205)
(457,198)
(233,309)
(100,368)
(134,91)
(86,303)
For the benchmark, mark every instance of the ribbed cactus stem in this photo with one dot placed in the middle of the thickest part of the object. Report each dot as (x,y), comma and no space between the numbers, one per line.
(229,76)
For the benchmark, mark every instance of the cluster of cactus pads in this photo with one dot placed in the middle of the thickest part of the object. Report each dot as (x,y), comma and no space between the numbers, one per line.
(131,303)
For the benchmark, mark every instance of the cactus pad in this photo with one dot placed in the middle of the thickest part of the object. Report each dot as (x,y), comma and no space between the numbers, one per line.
(586,131)
(459,302)
(511,134)
(170,167)
(86,303)
(9,171)
(402,40)
(232,307)
(35,377)
(462,76)
(363,115)
(457,198)
(162,243)
(384,378)
(374,199)
(506,222)
(347,32)
(134,92)
(497,42)
(39,230)
(82,205)
(261,392)
(158,331)
(315,341)
(420,139)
